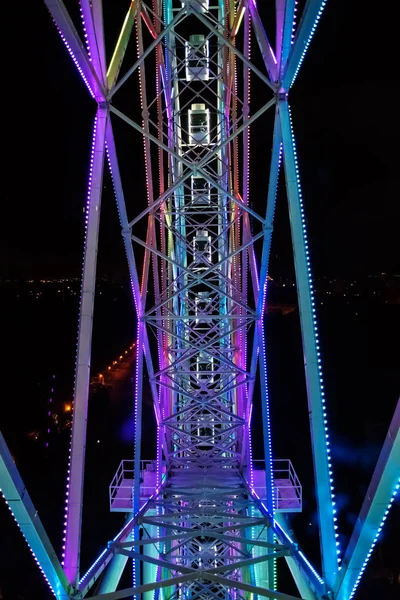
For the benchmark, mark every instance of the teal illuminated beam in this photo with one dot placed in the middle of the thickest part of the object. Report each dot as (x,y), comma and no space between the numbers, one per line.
(309,20)
(285,17)
(263,43)
(384,486)
(312,359)
(18,500)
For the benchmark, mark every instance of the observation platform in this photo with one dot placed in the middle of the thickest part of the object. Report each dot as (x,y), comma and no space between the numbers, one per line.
(121,487)
(287,487)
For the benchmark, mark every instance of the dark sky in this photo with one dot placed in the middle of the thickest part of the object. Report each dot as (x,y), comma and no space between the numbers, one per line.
(345,119)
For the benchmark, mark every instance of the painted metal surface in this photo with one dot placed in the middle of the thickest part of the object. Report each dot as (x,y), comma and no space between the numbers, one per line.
(73,527)
(20,504)
(384,486)
(204,533)
(309,20)
(76,48)
(312,360)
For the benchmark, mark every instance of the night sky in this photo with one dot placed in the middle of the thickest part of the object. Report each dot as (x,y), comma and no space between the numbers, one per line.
(345,116)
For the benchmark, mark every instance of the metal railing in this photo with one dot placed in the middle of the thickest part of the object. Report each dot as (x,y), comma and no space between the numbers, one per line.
(287,486)
(121,486)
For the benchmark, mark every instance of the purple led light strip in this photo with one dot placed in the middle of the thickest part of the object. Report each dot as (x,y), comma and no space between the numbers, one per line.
(74,492)
(76,355)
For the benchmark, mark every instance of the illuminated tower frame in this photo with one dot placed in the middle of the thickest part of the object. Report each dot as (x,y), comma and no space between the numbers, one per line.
(281,68)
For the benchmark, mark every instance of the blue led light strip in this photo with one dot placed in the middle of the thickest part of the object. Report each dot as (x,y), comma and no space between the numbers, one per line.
(381,493)
(305,32)
(312,353)
(376,538)
(17,499)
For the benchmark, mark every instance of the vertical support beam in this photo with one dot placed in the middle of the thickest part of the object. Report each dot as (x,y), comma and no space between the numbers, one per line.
(122,43)
(138,416)
(305,591)
(261,569)
(138,442)
(98,24)
(92,16)
(303,583)
(285,15)
(244,402)
(263,43)
(113,574)
(123,217)
(268,228)
(149,49)
(269,483)
(309,20)
(126,234)
(270,212)
(384,486)
(149,569)
(280,7)
(20,504)
(313,372)
(75,48)
(114,570)
(259,338)
(82,378)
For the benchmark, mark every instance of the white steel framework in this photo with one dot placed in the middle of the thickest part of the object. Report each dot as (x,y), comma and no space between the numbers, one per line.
(200,526)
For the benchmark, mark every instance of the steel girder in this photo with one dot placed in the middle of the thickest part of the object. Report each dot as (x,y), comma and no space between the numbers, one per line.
(73,526)
(384,486)
(18,500)
(315,388)
(203,415)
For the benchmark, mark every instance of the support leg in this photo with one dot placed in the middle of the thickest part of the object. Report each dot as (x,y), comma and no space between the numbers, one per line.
(13,489)
(149,569)
(384,486)
(113,574)
(79,423)
(269,484)
(313,372)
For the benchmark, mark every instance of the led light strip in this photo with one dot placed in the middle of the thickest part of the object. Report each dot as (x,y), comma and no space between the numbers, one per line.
(87,207)
(73,58)
(317,345)
(310,37)
(264,301)
(29,546)
(135,300)
(295,10)
(85,34)
(396,490)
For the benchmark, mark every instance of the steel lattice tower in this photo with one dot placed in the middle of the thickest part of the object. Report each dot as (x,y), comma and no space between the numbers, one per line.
(202,521)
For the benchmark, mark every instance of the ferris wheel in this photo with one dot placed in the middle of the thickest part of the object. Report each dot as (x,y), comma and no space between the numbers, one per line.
(203,519)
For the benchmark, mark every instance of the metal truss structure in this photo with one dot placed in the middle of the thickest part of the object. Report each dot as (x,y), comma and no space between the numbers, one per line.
(204,530)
